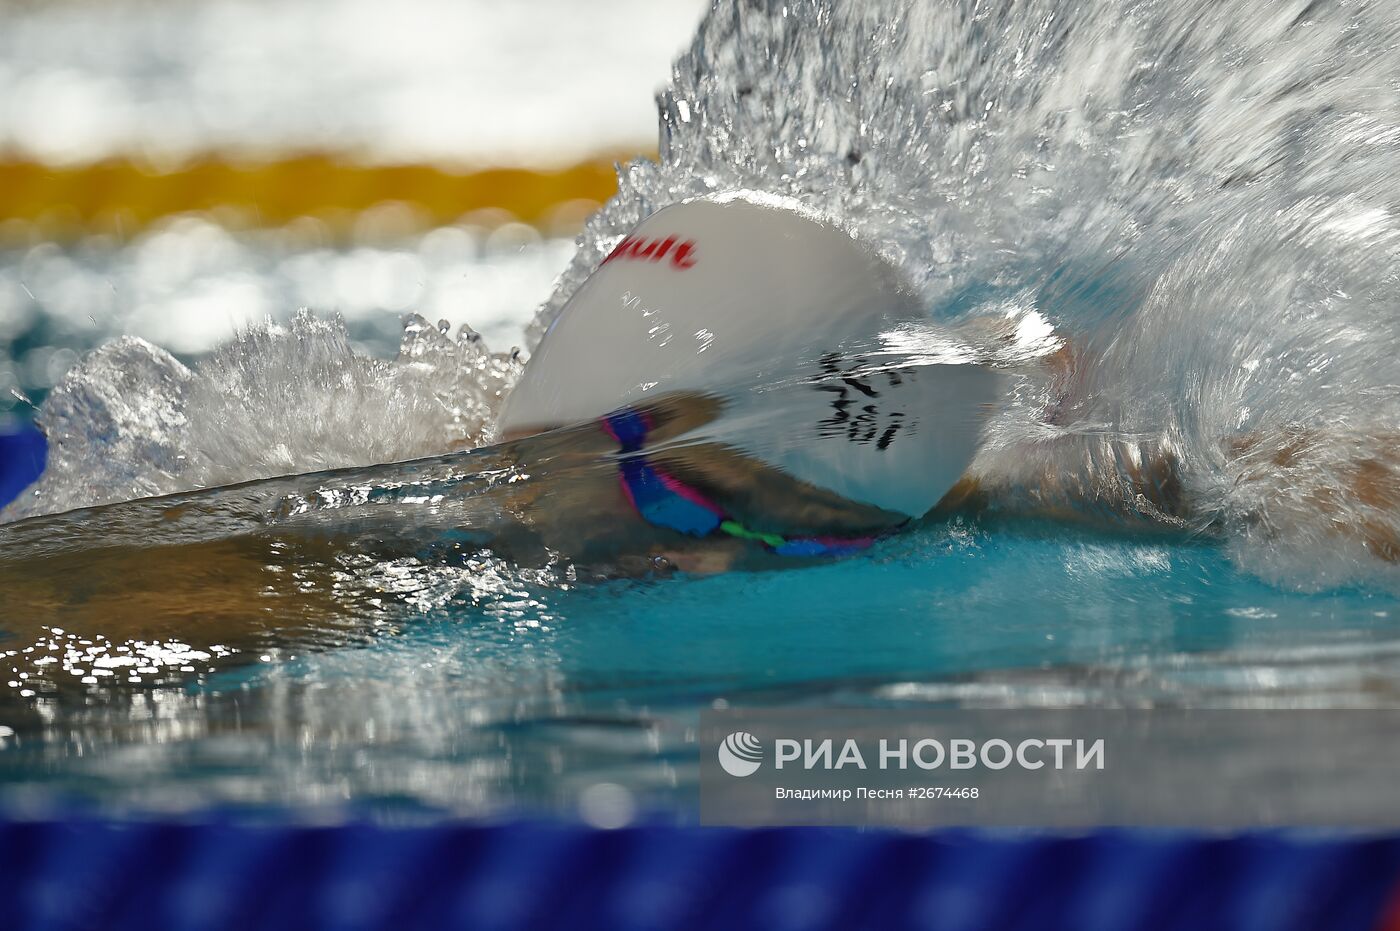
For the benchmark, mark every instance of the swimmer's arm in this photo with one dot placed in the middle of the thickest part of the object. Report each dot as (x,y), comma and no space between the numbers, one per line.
(1120,484)
(1343,483)
(1340,482)
(244,593)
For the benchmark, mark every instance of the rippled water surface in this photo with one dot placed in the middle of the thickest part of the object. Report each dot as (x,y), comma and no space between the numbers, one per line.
(1198,199)
(464,683)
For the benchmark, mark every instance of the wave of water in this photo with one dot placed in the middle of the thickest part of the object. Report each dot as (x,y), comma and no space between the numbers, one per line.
(1201,198)
(132,421)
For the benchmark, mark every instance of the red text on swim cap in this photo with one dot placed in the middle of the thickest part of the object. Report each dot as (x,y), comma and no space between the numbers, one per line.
(655,250)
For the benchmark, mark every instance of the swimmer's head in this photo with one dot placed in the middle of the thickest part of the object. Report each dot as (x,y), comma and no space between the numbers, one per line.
(788,320)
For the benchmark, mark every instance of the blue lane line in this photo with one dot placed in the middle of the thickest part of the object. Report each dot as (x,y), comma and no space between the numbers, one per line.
(23,453)
(229,874)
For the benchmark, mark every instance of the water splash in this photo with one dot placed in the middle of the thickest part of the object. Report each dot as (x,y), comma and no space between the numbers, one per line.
(1201,200)
(131,421)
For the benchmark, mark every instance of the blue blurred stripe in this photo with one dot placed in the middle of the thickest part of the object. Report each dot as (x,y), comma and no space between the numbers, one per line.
(23,452)
(217,874)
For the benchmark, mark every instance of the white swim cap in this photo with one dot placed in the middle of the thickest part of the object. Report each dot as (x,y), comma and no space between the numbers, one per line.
(789,321)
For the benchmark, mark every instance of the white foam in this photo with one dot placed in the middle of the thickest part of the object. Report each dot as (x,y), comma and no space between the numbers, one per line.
(1200,200)
(131,421)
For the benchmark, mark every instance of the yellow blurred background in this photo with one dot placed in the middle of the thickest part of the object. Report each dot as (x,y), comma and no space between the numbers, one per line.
(180,170)
(117,113)
(120,197)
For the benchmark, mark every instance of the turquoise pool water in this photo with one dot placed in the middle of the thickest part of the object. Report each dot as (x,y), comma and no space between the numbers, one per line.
(482,689)
(1199,202)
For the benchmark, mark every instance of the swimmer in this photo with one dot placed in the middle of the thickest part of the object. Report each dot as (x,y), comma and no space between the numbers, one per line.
(732,388)
(769,392)
(740,384)
(743,366)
